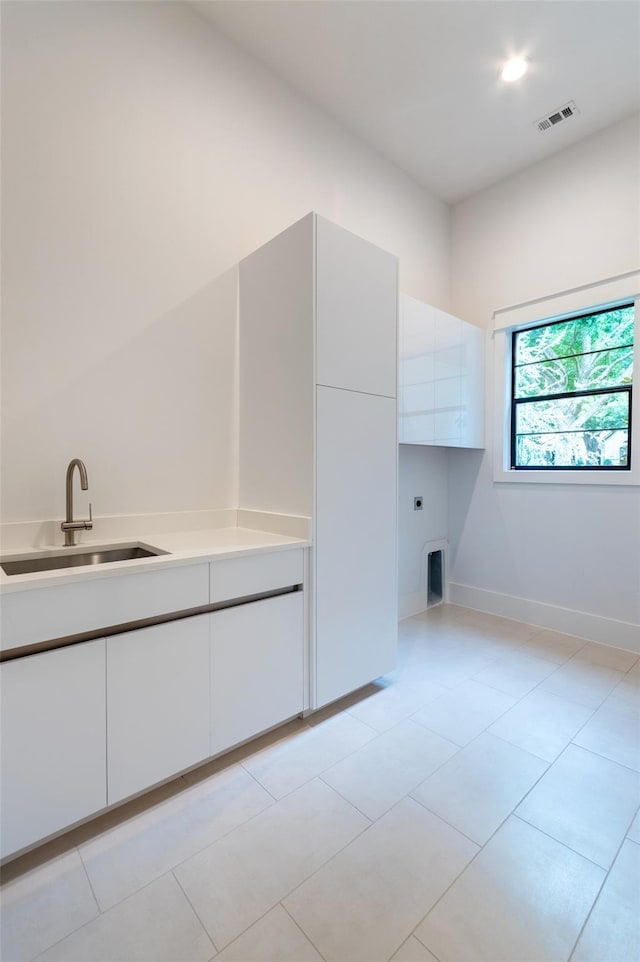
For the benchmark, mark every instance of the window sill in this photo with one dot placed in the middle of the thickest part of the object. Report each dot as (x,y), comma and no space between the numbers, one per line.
(567,477)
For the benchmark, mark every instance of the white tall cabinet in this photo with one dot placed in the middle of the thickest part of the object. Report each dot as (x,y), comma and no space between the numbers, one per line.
(318,432)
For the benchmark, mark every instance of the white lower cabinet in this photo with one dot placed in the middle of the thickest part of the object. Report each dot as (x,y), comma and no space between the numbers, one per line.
(157,704)
(87,726)
(53,742)
(256,668)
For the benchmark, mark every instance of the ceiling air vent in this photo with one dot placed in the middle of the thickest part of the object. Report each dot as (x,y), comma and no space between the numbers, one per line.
(552,120)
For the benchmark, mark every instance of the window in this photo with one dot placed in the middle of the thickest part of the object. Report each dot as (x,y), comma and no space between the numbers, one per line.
(571,386)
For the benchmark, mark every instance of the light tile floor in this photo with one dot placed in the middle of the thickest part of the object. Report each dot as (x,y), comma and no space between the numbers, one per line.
(480,804)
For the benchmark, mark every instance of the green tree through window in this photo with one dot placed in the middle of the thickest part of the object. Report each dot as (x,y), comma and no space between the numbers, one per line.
(571,393)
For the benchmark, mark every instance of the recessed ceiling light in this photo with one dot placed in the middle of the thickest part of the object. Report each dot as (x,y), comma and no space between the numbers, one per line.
(514,69)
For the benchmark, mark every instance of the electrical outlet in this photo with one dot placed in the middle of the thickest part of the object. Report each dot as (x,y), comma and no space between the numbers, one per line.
(417,503)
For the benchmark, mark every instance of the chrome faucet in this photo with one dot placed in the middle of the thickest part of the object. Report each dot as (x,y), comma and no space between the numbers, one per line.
(69,526)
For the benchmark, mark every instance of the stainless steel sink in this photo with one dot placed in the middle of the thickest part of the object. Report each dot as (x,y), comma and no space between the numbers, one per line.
(49,561)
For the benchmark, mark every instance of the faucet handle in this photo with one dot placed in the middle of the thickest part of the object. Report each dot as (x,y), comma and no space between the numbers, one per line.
(89,523)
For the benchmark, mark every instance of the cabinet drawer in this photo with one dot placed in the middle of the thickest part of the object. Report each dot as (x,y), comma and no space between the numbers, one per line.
(54,612)
(238,577)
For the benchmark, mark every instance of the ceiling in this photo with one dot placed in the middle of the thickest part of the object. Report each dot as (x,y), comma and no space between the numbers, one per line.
(419,80)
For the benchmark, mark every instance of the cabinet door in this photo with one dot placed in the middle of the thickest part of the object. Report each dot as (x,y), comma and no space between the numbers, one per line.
(416,367)
(356,312)
(472,387)
(441,390)
(448,374)
(53,742)
(157,704)
(355,584)
(256,668)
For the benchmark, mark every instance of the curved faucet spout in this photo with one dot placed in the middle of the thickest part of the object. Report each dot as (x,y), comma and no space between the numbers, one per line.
(84,484)
(69,526)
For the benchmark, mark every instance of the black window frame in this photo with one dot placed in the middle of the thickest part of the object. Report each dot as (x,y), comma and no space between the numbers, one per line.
(569,394)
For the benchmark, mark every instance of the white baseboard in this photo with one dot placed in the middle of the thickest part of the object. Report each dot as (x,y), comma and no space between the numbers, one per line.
(606,631)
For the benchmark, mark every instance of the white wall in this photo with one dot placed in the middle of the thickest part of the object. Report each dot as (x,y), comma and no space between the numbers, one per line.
(567,221)
(423,473)
(143,155)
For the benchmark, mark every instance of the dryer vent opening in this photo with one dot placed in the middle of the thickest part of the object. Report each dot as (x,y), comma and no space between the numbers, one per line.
(435,577)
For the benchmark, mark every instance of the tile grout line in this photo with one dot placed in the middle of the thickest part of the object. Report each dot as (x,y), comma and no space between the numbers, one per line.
(102,914)
(216,840)
(263,787)
(549,763)
(599,893)
(298,926)
(371,821)
(481,845)
(484,730)
(339,852)
(311,728)
(33,958)
(193,909)
(348,711)
(570,742)
(178,865)
(290,891)
(558,841)
(407,794)
(606,758)
(478,845)
(84,867)
(198,851)
(182,861)
(480,848)
(417,937)
(343,758)
(550,675)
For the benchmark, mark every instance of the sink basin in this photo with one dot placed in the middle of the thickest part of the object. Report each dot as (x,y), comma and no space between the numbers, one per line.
(77,558)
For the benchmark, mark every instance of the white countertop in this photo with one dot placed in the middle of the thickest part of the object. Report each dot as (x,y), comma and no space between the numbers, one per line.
(183,547)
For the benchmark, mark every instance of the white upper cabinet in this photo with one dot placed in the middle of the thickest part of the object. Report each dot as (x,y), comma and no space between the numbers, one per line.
(441,378)
(356,295)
